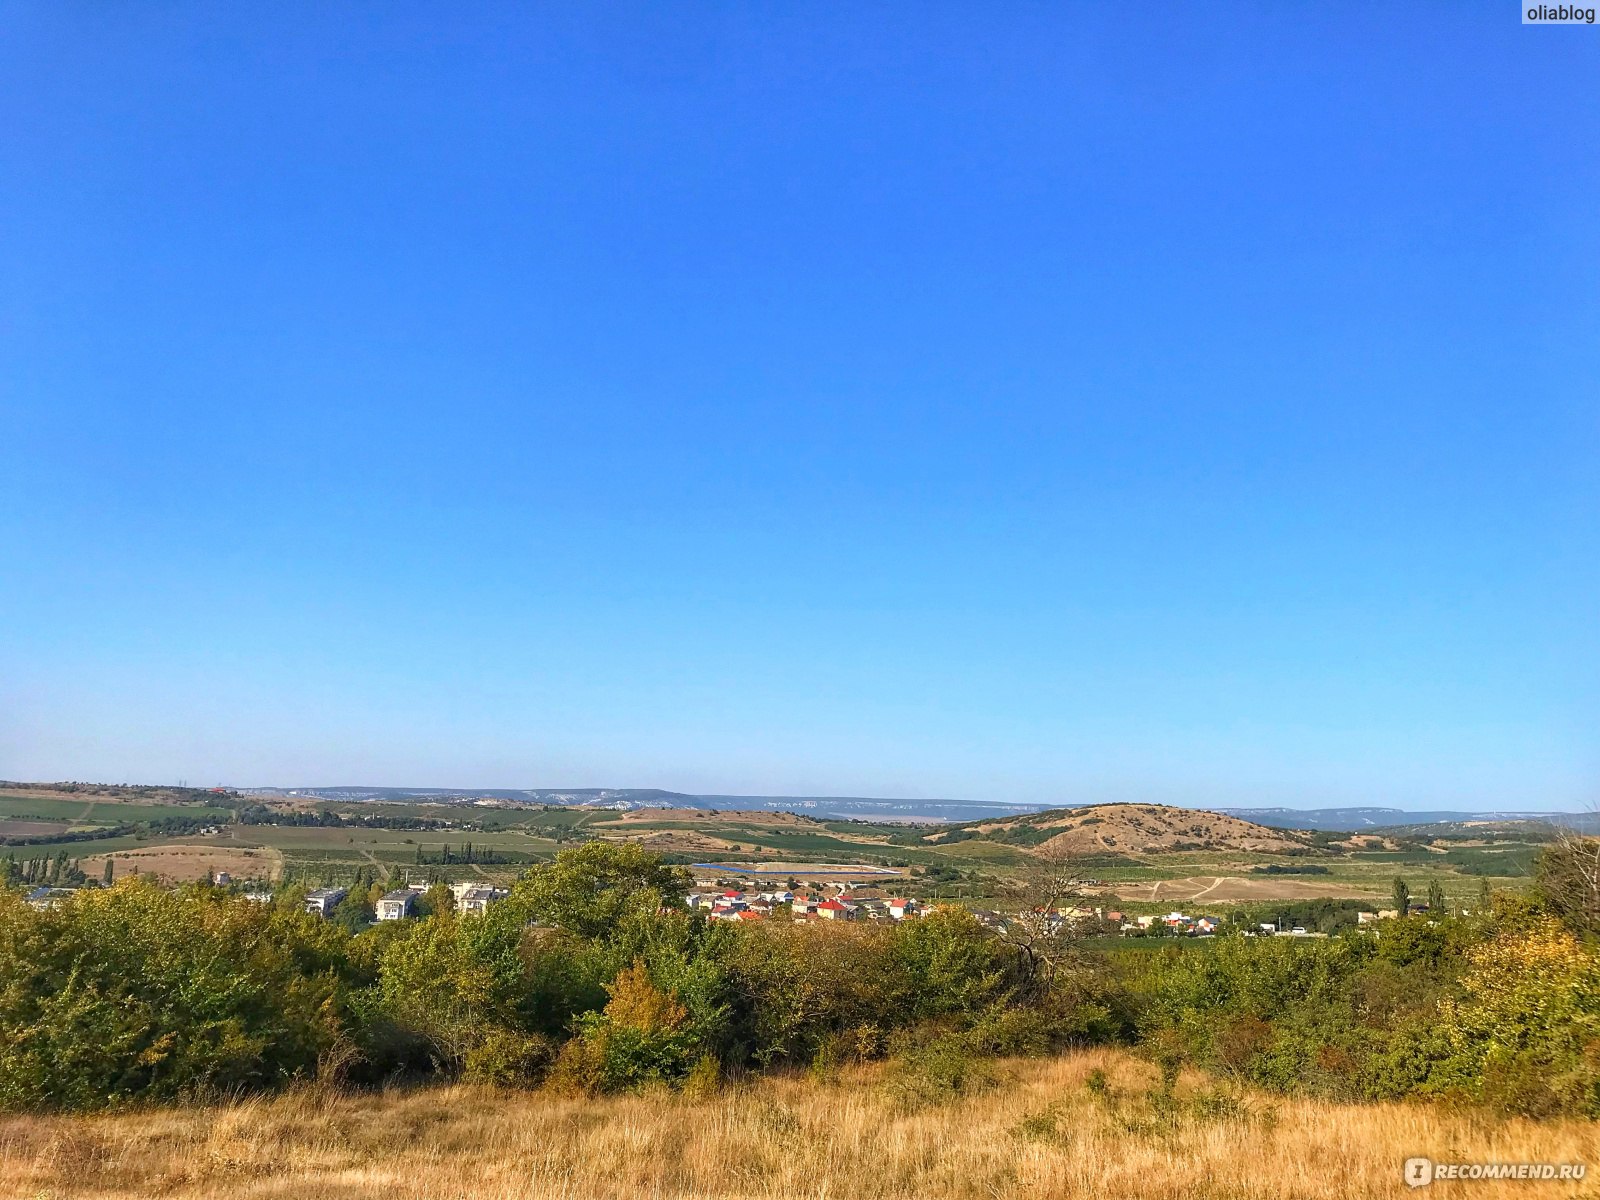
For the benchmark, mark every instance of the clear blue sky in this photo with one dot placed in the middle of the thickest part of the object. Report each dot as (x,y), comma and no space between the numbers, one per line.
(1016,402)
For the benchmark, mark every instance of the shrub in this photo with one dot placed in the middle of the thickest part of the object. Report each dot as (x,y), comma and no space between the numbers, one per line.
(937,1072)
(642,1037)
(134,992)
(508,1058)
(1525,1038)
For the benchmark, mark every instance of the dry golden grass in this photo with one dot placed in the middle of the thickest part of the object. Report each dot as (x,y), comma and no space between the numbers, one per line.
(1041,1133)
(181,862)
(1147,828)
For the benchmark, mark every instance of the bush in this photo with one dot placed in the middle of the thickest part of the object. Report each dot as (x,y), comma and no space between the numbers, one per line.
(1525,1037)
(133,992)
(642,1037)
(507,1058)
(937,1072)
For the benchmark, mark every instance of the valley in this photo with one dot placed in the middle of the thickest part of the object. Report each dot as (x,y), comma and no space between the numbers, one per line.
(1140,857)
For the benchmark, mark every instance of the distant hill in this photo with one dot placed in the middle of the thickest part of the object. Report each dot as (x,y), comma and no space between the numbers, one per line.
(1128,829)
(855,808)
(1354,820)
(875,808)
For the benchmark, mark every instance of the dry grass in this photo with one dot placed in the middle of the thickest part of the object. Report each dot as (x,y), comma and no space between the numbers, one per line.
(1147,828)
(1041,1133)
(182,862)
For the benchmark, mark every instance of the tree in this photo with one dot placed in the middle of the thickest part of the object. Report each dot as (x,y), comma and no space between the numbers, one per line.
(1567,880)
(589,888)
(108,872)
(955,966)
(353,912)
(438,900)
(1438,906)
(1402,897)
(1042,928)
(457,986)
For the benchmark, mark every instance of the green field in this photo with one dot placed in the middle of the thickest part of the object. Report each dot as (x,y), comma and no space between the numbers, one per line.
(972,867)
(100,811)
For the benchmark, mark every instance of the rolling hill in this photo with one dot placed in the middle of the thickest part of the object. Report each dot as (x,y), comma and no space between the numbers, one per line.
(1128,829)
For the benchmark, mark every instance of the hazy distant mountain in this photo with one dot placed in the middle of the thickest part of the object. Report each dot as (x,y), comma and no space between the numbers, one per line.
(874,808)
(864,808)
(1357,819)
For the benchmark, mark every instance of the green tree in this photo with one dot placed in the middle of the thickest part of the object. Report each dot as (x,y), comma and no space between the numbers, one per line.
(464,990)
(1522,1037)
(952,963)
(438,900)
(108,872)
(137,992)
(590,888)
(1401,897)
(353,913)
(1438,906)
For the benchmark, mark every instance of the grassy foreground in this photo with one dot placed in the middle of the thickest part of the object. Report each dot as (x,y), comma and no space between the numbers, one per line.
(1083,1125)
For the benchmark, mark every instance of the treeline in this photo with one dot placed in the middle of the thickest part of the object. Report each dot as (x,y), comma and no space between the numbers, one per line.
(75,835)
(125,791)
(260,814)
(468,855)
(48,870)
(162,827)
(591,977)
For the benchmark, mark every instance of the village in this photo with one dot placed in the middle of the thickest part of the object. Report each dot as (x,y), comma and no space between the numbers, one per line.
(718,900)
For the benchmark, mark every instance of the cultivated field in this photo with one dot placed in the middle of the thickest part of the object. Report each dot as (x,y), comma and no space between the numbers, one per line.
(183,862)
(1045,1129)
(97,809)
(1224,889)
(1143,856)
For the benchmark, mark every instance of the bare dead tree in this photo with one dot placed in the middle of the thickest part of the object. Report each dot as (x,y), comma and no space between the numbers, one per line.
(1044,913)
(1568,876)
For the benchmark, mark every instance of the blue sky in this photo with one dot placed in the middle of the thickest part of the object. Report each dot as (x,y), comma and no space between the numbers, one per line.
(1027,403)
